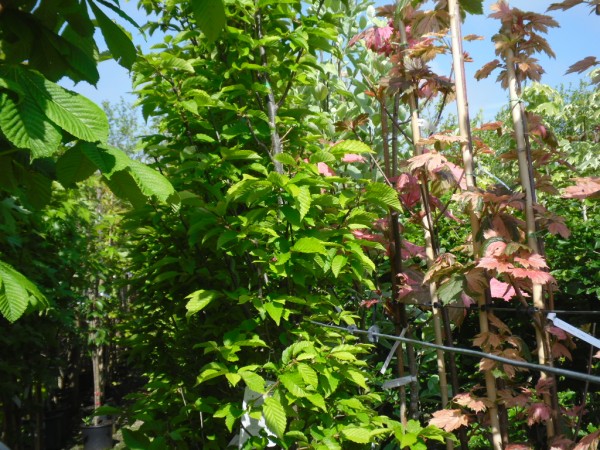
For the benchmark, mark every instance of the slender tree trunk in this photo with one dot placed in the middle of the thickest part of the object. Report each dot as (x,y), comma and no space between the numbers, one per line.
(430,247)
(532,242)
(467,155)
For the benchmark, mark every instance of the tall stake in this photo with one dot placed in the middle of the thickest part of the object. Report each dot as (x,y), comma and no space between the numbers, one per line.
(532,242)
(467,155)
(428,231)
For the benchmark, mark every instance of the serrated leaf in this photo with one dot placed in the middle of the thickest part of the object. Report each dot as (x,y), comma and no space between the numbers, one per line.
(293,383)
(382,194)
(253,380)
(357,378)
(275,416)
(285,159)
(317,400)
(356,434)
(302,198)
(199,300)
(171,62)
(26,126)
(17,293)
(309,245)
(274,310)
(338,262)
(233,378)
(135,440)
(210,17)
(72,112)
(451,290)
(350,146)
(308,374)
(118,42)
(472,6)
(152,183)
(74,166)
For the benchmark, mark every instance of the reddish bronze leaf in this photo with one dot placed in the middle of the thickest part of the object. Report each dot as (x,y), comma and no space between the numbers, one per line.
(583,65)
(449,419)
(586,187)
(538,412)
(590,442)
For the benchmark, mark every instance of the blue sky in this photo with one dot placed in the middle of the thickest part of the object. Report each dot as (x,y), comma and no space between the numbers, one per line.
(577,37)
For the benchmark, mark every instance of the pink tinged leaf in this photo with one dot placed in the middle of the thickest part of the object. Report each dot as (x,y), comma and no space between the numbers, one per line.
(587,187)
(590,442)
(410,250)
(538,412)
(559,228)
(359,234)
(495,248)
(560,443)
(535,261)
(558,351)
(597,355)
(467,301)
(410,192)
(499,265)
(536,276)
(368,303)
(558,332)
(449,419)
(324,169)
(352,158)
(501,290)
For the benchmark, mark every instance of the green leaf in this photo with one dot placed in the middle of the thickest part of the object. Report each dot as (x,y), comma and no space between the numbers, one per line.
(152,183)
(170,62)
(383,195)
(317,400)
(72,112)
(350,146)
(302,198)
(25,125)
(210,17)
(356,377)
(135,439)
(17,293)
(275,416)
(118,42)
(275,310)
(338,262)
(74,166)
(199,300)
(253,380)
(109,160)
(472,6)
(309,245)
(308,374)
(451,290)
(356,434)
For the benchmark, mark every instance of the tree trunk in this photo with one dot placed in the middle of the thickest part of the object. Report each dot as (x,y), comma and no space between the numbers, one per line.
(467,156)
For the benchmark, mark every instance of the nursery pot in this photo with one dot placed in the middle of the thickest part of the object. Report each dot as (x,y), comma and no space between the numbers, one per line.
(97,437)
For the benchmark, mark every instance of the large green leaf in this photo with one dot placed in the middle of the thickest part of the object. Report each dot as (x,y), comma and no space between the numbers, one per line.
(199,300)
(107,159)
(74,166)
(275,416)
(118,42)
(17,293)
(383,195)
(151,182)
(350,146)
(309,245)
(33,123)
(356,434)
(472,6)
(26,126)
(210,17)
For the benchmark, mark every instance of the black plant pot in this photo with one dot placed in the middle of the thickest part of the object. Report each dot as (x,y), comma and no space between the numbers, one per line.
(97,437)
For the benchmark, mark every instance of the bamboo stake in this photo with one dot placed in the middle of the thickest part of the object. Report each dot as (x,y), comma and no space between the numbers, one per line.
(532,242)
(430,249)
(467,155)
